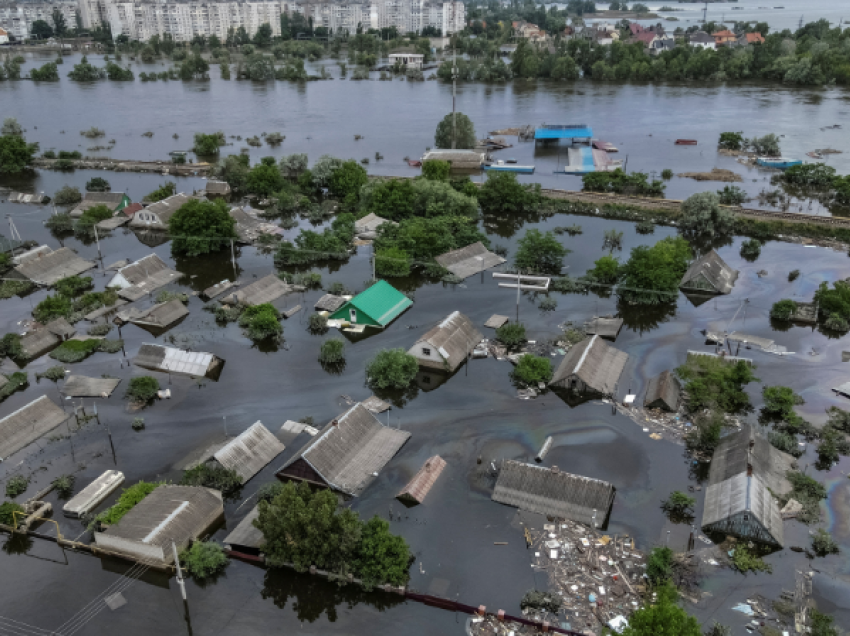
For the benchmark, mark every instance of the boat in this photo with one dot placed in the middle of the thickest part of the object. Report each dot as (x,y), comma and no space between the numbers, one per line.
(814,155)
(501,166)
(686,142)
(414,163)
(780,163)
(511,160)
(607,146)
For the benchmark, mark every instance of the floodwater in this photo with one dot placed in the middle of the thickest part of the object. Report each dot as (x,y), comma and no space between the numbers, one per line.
(473,414)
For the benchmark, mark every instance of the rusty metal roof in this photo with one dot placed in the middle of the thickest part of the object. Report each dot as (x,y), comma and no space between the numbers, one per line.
(418,487)
(470,260)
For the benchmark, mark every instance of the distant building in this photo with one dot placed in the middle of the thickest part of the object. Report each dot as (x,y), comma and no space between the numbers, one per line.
(459,159)
(592,365)
(4,36)
(411,60)
(470,260)
(702,40)
(709,274)
(724,37)
(448,344)
(745,39)
(378,306)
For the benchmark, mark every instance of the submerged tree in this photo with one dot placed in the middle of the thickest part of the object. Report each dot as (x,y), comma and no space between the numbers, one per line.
(455,127)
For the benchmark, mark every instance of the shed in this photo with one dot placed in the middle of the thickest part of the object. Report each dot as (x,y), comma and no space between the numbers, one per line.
(329,303)
(46,267)
(417,488)
(61,328)
(36,343)
(143,276)
(250,452)
(178,514)
(746,473)
(93,495)
(591,365)
(448,344)
(82,386)
(115,201)
(157,318)
(217,290)
(552,492)
(378,306)
(347,454)
(469,260)
(495,321)
(369,224)
(27,424)
(217,188)
(709,274)
(266,290)
(246,537)
(663,392)
(459,159)
(605,326)
(171,360)
(157,215)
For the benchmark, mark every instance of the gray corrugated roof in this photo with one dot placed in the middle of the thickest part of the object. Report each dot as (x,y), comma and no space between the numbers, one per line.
(92,495)
(162,315)
(349,454)
(144,276)
(663,391)
(169,359)
(370,223)
(250,452)
(37,343)
(458,158)
(246,534)
(605,327)
(218,187)
(454,338)
(469,260)
(596,363)
(717,273)
(329,303)
(551,492)
(46,269)
(164,210)
(266,290)
(60,327)
(82,386)
(28,423)
(91,199)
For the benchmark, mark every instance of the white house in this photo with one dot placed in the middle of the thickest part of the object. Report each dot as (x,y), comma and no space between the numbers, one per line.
(157,215)
(702,40)
(4,36)
(411,60)
(448,344)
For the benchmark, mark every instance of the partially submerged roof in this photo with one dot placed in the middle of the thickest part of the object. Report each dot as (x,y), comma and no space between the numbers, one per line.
(376,404)
(82,386)
(607,327)
(468,159)
(47,267)
(246,535)
(218,187)
(469,260)
(142,277)
(370,223)
(329,302)
(250,452)
(453,338)
(746,472)
(709,274)
(60,327)
(163,210)
(382,302)
(594,362)
(171,360)
(169,514)
(27,424)
(348,453)
(111,200)
(552,492)
(664,392)
(36,343)
(216,290)
(418,487)
(495,321)
(92,495)
(266,290)
(249,225)
(160,316)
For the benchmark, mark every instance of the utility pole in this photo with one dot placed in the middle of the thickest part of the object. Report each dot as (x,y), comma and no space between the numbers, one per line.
(179,571)
(454,92)
(233,259)
(705,12)
(97,240)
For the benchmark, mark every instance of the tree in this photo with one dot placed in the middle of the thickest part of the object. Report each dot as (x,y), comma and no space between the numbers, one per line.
(67,195)
(541,253)
(324,169)
(263,36)
(346,181)
(767,146)
(659,565)
(207,145)
(702,215)
(16,154)
(502,193)
(392,262)
(779,401)
(332,350)
(142,389)
(264,179)
(204,559)
(48,72)
(436,170)
(382,557)
(531,369)
(59,25)
(511,334)
(391,369)
(98,184)
(201,227)
(715,383)
(652,274)
(821,624)
(167,189)
(606,270)
(731,140)
(85,72)
(261,322)
(41,30)
(524,61)
(665,618)
(679,505)
(11,127)
(463,132)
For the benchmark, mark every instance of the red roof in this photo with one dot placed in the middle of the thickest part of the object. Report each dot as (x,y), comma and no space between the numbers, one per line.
(725,33)
(754,38)
(646,37)
(635,28)
(131,209)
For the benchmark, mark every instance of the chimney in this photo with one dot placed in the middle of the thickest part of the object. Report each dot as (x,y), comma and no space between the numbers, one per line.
(555,470)
(749,469)
(334,423)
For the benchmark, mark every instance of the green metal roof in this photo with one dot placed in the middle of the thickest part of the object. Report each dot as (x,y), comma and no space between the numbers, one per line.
(382,302)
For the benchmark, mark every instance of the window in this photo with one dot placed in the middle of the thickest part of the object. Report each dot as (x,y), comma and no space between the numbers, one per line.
(426,351)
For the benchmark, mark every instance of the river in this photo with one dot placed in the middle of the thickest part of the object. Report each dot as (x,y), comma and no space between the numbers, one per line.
(475,413)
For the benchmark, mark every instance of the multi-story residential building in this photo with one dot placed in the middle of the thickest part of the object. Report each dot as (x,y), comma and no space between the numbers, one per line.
(17,18)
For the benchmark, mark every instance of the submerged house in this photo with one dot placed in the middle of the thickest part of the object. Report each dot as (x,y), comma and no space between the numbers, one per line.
(156,319)
(459,159)
(157,215)
(115,201)
(591,366)
(248,453)
(418,488)
(554,493)
(746,473)
(178,514)
(469,260)
(217,189)
(171,360)
(93,495)
(663,392)
(377,307)
(83,386)
(447,345)
(266,290)
(22,427)
(347,454)
(709,274)
(246,537)
(44,266)
(367,226)
(142,277)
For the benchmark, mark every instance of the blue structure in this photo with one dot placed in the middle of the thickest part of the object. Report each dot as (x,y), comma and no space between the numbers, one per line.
(579,132)
(509,167)
(778,162)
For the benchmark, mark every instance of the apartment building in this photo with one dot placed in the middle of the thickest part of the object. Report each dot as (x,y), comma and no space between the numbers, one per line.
(16,18)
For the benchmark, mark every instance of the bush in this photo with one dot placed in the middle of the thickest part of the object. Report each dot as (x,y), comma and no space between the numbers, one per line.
(391,369)
(166,296)
(98,184)
(751,249)
(531,369)
(84,226)
(823,544)
(15,381)
(142,389)
(212,476)
(337,289)
(731,141)
(7,513)
(204,559)
(332,351)
(511,334)
(261,322)
(663,618)
(72,351)
(64,485)
(52,307)
(645,227)
(54,374)
(782,310)
(678,505)
(793,275)
(808,492)
(436,170)
(667,174)
(269,491)
(606,270)
(167,189)
(67,195)
(392,262)
(317,324)
(10,346)
(16,485)
(780,400)
(547,303)
(60,222)
(503,194)
(207,145)
(126,502)
(201,227)
(659,565)
(540,253)
(702,215)
(622,183)
(73,286)
(745,560)
(138,423)
(785,442)
(714,383)
(732,195)
(821,624)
